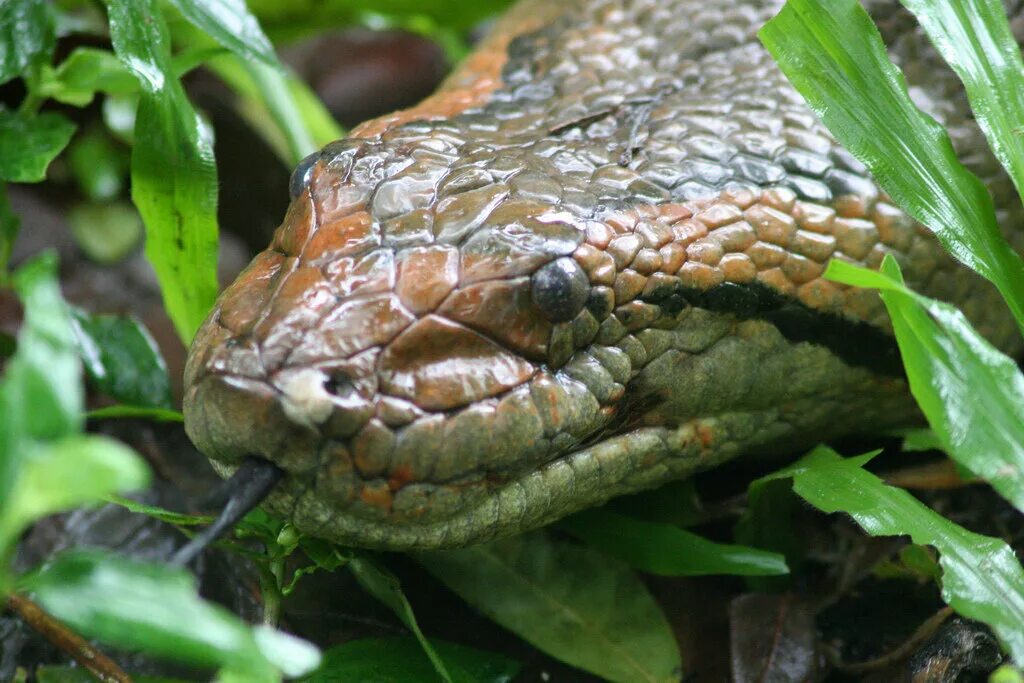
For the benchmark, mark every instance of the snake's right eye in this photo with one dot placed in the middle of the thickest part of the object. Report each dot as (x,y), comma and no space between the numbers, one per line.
(302,174)
(560,289)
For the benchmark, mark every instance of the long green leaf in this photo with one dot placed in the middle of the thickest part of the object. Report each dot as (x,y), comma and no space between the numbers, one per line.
(972,395)
(400,660)
(230,23)
(975,37)
(833,54)
(157,609)
(174,180)
(567,600)
(666,549)
(981,577)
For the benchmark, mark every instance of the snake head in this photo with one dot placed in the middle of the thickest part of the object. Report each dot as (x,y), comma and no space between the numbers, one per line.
(396,348)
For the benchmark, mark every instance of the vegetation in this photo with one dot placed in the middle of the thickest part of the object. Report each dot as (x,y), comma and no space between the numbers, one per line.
(573,592)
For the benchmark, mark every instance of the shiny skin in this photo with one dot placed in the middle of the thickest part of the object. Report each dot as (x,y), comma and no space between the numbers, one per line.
(390,349)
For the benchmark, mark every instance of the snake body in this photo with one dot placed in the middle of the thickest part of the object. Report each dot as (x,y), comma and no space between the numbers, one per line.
(590,264)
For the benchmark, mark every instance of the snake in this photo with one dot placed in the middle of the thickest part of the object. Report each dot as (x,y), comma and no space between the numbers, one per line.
(591,263)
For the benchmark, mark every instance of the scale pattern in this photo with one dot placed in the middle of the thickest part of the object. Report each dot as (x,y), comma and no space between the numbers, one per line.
(388,351)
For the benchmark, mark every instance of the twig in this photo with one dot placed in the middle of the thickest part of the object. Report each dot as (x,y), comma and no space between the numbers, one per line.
(905,649)
(97,663)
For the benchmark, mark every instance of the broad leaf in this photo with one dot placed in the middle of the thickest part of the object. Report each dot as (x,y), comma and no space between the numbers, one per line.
(981,577)
(972,395)
(67,473)
(383,585)
(833,54)
(156,609)
(122,359)
(26,36)
(174,180)
(401,660)
(567,600)
(666,549)
(85,72)
(30,143)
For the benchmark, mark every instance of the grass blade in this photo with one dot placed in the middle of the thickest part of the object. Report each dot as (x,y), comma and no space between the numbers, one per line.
(975,38)
(174,180)
(972,395)
(833,54)
(981,577)
(667,550)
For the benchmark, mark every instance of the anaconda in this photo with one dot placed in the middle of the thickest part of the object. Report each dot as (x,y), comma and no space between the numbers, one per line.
(592,263)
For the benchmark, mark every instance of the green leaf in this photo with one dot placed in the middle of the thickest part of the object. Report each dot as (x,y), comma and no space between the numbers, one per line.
(156,609)
(99,165)
(9,223)
(401,660)
(666,549)
(69,674)
(972,395)
(567,600)
(175,518)
(280,106)
(383,585)
(30,143)
(174,180)
(26,36)
(41,390)
(85,72)
(975,38)
(106,232)
(833,54)
(139,412)
(768,523)
(67,473)
(230,23)
(981,577)
(122,359)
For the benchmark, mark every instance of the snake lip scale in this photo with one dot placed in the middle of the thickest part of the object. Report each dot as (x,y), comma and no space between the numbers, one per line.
(590,264)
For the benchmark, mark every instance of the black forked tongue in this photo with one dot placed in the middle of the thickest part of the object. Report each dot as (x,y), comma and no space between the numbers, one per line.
(254,479)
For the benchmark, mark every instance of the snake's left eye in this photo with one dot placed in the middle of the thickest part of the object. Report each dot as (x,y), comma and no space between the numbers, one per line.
(301,174)
(560,289)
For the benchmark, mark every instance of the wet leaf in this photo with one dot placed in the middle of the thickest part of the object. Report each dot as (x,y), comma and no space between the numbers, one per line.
(402,660)
(972,395)
(772,638)
(30,143)
(156,609)
(122,359)
(230,24)
(383,585)
(570,601)
(833,54)
(981,577)
(666,549)
(975,38)
(26,36)
(174,180)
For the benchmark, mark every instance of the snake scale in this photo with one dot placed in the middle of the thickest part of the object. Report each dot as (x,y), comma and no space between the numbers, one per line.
(590,264)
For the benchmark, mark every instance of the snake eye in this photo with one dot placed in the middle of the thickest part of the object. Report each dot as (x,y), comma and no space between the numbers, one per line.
(301,175)
(560,289)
